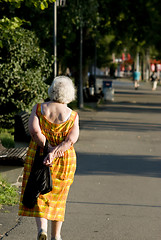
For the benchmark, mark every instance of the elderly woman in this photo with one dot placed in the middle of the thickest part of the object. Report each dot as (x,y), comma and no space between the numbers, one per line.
(57,123)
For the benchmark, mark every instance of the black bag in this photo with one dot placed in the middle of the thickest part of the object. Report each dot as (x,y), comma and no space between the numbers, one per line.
(39,182)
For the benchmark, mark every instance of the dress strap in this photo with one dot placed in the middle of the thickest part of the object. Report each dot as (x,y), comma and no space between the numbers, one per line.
(38,109)
(74,115)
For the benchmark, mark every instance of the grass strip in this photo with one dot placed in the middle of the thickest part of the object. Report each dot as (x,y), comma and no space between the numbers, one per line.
(8,193)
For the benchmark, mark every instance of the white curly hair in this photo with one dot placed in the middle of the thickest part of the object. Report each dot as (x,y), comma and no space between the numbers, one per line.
(62,90)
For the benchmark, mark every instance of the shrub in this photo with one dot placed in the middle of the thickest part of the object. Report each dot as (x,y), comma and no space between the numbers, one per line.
(7,138)
(8,194)
(24,68)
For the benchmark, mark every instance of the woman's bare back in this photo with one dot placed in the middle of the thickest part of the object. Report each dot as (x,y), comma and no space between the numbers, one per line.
(55,112)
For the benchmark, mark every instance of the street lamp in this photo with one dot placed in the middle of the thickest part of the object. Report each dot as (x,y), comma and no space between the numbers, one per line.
(80,83)
(57,3)
(61,3)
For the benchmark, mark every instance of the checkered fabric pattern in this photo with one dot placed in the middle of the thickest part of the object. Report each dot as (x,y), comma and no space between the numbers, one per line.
(52,205)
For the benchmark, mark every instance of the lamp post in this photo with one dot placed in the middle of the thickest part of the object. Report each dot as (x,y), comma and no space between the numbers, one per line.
(137,61)
(57,3)
(55,38)
(95,65)
(80,83)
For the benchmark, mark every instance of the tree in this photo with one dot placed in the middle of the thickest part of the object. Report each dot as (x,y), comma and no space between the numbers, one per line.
(108,26)
(70,19)
(24,68)
(24,65)
(9,9)
(136,26)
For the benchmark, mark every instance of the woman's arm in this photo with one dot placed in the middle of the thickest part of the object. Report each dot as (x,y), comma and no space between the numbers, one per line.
(59,150)
(71,138)
(40,139)
(34,128)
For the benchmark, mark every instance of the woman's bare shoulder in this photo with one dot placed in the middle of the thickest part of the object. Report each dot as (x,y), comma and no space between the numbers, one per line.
(56,112)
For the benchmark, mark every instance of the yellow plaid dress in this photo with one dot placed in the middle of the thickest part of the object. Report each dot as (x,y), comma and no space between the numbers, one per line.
(52,205)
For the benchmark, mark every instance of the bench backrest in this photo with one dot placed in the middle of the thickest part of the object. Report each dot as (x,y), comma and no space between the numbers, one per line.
(21,133)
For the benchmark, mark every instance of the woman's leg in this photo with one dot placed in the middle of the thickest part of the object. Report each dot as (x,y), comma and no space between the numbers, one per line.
(136,84)
(154,85)
(56,229)
(42,225)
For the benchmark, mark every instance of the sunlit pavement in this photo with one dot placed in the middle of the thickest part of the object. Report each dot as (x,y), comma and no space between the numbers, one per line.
(116,193)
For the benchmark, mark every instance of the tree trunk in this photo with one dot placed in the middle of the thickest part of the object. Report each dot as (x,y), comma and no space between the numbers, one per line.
(85,75)
(137,61)
(147,67)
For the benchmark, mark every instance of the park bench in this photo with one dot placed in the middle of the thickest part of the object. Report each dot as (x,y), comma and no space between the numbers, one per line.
(21,133)
(13,156)
(91,98)
(16,156)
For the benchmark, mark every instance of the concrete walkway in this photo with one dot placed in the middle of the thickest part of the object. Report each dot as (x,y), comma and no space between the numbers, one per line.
(116,193)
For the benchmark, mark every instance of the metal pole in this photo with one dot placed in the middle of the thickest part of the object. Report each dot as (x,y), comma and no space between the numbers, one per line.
(55,38)
(147,68)
(80,87)
(95,65)
(137,62)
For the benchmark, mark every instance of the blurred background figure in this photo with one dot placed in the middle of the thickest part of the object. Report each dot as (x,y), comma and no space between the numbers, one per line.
(136,78)
(154,80)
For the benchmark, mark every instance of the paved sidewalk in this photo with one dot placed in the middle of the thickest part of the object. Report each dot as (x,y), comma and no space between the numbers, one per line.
(116,193)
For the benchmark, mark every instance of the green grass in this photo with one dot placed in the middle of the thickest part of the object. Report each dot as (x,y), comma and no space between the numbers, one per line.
(73,105)
(7,138)
(8,194)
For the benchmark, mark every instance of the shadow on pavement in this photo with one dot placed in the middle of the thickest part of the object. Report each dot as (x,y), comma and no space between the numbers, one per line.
(116,204)
(110,164)
(132,107)
(119,126)
(141,93)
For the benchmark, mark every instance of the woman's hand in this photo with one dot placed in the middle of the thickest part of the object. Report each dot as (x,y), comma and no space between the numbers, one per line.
(48,160)
(54,152)
(34,128)
(59,150)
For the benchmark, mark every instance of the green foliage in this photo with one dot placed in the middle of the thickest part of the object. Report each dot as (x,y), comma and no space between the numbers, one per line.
(6,23)
(24,68)
(134,25)
(7,138)
(16,3)
(8,194)
(104,51)
(73,105)
(77,14)
(42,4)
(9,19)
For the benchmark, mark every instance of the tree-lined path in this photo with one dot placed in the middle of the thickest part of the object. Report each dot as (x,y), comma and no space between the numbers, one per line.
(116,193)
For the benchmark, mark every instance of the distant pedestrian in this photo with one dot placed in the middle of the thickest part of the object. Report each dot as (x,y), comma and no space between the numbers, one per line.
(58,124)
(154,80)
(136,78)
